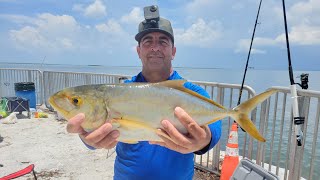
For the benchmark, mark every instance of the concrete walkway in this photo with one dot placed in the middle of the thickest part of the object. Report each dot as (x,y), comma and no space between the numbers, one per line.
(56,154)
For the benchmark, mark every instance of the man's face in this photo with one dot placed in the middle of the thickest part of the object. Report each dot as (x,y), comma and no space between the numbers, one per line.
(156,52)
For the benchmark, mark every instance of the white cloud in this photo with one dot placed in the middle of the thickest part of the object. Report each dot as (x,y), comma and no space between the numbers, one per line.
(302,35)
(258,44)
(200,33)
(46,32)
(111,27)
(303,24)
(306,12)
(259,41)
(95,10)
(244,45)
(28,37)
(134,17)
(57,23)
(78,7)
(305,17)
(49,33)
(66,43)
(19,19)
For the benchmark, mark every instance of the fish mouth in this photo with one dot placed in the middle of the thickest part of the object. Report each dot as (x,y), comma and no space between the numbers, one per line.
(52,101)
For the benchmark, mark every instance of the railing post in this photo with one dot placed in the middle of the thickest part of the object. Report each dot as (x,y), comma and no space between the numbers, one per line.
(42,87)
(297,151)
(254,120)
(261,129)
(1,81)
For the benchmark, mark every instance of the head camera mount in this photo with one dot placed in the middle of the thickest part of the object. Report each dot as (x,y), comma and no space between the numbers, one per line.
(152,16)
(153,23)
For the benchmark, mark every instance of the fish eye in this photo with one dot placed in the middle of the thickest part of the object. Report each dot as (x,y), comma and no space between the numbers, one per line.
(76,101)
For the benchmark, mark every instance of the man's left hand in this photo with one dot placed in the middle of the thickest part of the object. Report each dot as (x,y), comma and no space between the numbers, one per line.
(196,139)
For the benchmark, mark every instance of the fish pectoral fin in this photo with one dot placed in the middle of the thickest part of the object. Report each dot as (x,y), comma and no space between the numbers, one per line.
(130,142)
(129,124)
(162,133)
(115,124)
(172,83)
(132,131)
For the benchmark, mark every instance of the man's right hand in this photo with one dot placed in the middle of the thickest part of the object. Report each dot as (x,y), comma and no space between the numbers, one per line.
(103,137)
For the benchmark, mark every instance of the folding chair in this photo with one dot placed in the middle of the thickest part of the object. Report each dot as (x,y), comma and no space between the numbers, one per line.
(18,104)
(20,173)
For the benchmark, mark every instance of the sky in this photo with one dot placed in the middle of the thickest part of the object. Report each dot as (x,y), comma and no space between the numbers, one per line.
(208,33)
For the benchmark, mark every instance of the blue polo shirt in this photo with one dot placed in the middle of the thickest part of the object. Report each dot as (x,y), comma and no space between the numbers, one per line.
(145,161)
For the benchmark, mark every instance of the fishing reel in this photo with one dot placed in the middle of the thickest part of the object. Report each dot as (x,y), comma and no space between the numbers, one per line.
(304,78)
(152,16)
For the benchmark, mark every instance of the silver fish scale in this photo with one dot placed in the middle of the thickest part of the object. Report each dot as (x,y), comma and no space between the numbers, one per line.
(151,104)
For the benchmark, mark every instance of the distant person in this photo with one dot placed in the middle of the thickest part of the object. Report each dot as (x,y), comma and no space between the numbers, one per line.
(155,160)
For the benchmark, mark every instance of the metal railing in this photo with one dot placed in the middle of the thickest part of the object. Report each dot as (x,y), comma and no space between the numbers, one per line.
(10,76)
(226,95)
(55,81)
(298,161)
(273,118)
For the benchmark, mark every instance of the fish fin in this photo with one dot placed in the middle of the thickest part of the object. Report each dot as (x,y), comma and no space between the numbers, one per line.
(162,133)
(241,114)
(115,124)
(179,85)
(130,142)
(249,105)
(132,131)
(244,121)
(131,124)
(216,119)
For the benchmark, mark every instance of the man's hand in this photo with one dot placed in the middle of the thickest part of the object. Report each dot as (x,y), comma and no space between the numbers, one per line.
(196,139)
(103,137)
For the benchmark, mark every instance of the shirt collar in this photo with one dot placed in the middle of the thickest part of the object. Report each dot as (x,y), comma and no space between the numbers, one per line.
(140,77)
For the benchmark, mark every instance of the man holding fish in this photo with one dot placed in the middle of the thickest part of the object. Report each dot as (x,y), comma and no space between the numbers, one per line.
(148,160)
(156,120)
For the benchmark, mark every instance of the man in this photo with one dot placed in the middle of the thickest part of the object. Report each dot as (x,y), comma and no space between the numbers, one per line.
(155,160)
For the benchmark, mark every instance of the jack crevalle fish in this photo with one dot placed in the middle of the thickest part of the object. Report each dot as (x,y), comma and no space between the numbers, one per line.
(137,109)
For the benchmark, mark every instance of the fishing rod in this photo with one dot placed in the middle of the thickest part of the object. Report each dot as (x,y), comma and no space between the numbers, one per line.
(248,57)
(298,120)
(249,53)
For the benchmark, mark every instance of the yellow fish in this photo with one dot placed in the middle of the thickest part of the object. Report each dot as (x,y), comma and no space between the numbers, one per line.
(137,109)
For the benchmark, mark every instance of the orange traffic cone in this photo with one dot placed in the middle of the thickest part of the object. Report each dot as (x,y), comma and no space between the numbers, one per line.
(231,158)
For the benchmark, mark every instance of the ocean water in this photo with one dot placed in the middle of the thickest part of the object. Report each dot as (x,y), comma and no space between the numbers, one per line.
(259,80)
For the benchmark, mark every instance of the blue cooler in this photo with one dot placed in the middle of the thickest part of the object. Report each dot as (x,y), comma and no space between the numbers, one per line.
(26,90)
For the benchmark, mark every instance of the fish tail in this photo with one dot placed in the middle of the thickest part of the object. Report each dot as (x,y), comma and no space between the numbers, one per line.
(241,114)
